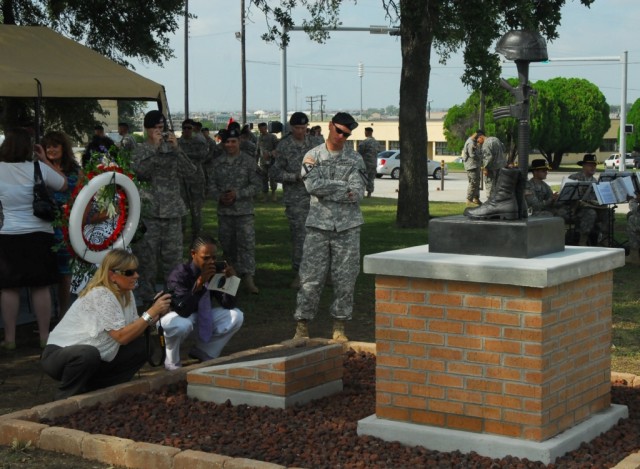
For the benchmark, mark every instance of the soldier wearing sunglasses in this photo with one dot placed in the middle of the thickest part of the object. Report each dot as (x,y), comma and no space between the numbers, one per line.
(335,177)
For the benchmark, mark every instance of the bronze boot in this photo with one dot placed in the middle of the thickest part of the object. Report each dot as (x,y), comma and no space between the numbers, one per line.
(502,204)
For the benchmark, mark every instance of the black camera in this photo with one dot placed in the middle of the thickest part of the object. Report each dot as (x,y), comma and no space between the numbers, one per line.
(220,266)
(175,302)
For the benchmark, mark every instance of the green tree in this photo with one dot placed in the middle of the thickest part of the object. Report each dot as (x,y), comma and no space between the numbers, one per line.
(447,25)
(568,115)
(572,116)
(125,30)
(633,117)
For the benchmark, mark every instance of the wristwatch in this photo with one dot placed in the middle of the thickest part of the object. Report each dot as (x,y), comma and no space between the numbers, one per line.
(147,317)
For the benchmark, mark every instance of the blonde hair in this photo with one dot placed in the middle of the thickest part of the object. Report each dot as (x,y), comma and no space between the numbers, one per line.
(116,259)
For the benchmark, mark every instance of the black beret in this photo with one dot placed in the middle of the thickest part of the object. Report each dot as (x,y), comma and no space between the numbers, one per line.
(344,118)
(298,118)
(153,118)
(226,134)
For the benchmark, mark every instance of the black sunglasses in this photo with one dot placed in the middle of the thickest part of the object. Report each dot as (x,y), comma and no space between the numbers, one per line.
(341,132)
(188,127)
(126,273)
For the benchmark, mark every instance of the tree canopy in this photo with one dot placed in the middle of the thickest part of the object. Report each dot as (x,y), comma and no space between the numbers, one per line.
(633,117)
(569,115)
(448,26)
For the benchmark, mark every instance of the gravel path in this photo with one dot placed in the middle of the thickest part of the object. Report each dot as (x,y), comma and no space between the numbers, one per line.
(321,434)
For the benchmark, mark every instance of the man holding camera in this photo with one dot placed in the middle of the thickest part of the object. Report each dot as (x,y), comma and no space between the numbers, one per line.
(157,162)
(193,306)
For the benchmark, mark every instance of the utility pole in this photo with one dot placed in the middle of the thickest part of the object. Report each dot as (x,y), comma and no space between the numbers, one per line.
(244,64)
(186,59)
(322,102)
(311,100)
(360,74)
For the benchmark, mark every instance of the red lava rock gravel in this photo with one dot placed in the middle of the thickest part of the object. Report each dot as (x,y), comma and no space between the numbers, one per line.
(321,434)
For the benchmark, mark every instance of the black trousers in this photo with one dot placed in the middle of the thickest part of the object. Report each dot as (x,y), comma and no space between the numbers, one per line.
(80,369)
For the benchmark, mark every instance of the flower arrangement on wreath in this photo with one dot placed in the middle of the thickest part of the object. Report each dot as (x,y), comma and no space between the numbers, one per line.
(110,201)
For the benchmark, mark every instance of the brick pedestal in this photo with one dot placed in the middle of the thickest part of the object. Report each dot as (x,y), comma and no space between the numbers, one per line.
(516,348)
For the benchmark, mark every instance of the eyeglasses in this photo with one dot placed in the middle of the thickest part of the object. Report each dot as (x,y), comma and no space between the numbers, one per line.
(188,127)
(126,273)
(341,132)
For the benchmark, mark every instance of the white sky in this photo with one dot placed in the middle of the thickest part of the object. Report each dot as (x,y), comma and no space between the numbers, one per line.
(607,29)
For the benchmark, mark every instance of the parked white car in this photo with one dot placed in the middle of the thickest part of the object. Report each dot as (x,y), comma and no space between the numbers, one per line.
(613,162)
(389,165)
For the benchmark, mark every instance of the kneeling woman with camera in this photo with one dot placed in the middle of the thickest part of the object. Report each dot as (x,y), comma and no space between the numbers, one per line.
(99,342)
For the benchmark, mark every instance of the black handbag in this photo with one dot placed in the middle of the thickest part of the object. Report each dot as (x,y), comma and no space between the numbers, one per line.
(44,207)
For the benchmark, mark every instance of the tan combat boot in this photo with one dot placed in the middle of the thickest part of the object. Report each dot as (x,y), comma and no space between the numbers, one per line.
(338,331)
(248,283)
(302,330)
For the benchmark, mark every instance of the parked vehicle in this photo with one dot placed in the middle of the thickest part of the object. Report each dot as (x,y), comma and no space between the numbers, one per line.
(389,165)
(613,162)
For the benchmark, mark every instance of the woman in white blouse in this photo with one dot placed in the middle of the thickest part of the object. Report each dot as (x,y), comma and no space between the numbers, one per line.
(26,241)
(99,342)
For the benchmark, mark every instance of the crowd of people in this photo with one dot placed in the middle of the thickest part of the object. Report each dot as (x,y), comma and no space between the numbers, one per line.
(98,339)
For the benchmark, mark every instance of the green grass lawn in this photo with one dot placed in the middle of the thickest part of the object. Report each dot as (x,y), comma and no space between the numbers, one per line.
(271,311)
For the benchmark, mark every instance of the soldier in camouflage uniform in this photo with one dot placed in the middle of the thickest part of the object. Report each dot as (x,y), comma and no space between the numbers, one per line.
(267,143)
(193,187)
(633,230)
(335,176)
(493,159)
(539,196)
(584,213)
(472,157)
(160,163)
(369,149)
(233,184)
(286,170)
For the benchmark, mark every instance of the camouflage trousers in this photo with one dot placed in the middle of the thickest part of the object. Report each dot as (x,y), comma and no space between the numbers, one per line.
(267,182)
(193,196)
(473,189)
(490,181)
(297,216)
(237,236)
(326,251)
(163,241)
(633,230)
(371,175)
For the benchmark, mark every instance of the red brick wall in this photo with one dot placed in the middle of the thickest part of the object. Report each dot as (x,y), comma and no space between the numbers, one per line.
(514,361)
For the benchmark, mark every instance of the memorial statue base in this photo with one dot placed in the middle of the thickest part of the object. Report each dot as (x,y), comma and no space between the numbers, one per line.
(526,238)
(498,355)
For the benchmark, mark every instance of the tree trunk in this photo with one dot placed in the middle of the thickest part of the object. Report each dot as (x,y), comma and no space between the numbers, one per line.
(416,39)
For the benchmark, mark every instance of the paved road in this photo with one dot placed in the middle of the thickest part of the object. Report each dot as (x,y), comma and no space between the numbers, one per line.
(455,188)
